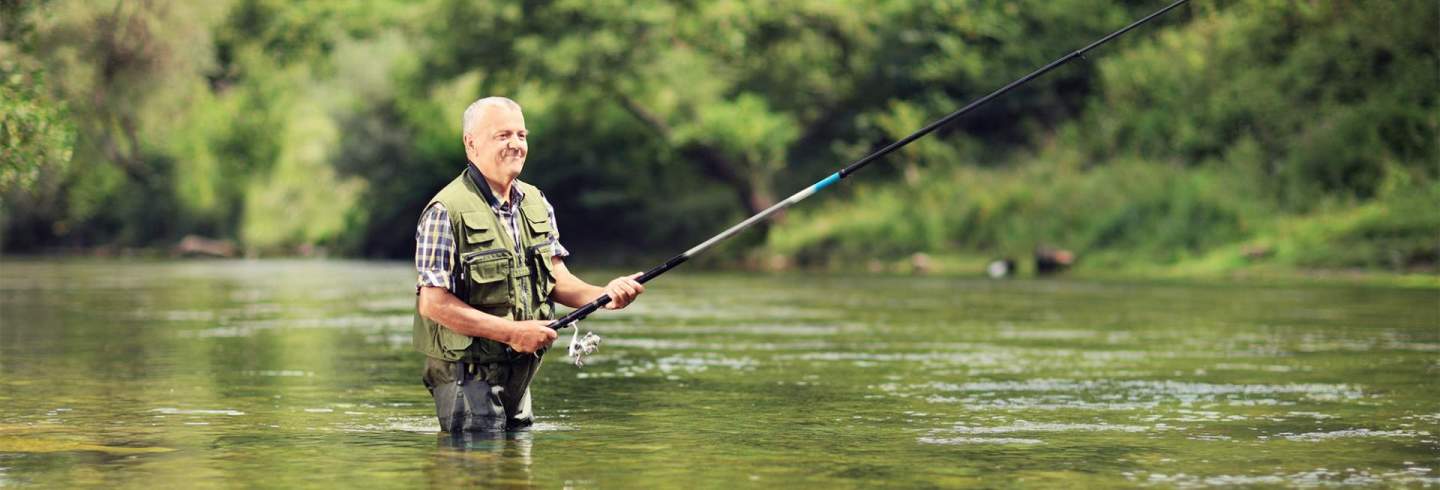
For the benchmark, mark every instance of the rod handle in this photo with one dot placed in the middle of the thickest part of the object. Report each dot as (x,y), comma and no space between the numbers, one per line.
(580,312)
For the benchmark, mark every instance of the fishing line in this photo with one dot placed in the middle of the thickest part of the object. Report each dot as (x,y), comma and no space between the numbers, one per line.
(589,308)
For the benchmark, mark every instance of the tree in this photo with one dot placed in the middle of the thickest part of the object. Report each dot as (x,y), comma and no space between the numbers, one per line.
(37,137)
(741,92)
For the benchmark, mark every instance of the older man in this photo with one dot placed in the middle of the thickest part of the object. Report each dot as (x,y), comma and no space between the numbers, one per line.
(491,267)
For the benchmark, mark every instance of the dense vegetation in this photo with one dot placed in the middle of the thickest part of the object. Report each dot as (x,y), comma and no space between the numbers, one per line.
(1228,134)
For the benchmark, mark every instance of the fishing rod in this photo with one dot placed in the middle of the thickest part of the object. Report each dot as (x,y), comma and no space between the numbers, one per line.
(590,307)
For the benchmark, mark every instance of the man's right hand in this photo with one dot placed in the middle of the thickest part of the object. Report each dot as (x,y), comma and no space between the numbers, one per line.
(531,335)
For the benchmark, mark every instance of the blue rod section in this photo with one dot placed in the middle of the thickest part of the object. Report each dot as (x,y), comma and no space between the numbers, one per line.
(833,178)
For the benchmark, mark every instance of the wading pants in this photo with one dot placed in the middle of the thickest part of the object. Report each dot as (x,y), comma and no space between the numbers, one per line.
(488,397)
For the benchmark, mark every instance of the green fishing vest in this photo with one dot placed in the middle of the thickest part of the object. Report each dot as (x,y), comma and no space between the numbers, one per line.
(489,274)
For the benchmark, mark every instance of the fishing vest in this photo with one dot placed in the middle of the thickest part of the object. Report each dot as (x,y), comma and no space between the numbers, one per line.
(489,274)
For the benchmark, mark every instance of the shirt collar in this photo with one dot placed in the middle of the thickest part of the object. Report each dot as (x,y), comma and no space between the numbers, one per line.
(479,180)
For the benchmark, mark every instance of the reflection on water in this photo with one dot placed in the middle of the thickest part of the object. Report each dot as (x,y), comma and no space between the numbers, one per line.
(299,373)
(502,459)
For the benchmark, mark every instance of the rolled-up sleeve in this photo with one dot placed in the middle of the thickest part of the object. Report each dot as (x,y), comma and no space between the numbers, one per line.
(560,250)
(434,249)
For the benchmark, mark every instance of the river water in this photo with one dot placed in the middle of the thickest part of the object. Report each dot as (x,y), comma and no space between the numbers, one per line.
(300,373)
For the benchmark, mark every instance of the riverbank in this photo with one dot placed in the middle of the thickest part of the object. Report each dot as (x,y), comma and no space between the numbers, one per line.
(955,265)
(970,265)
(1127,219)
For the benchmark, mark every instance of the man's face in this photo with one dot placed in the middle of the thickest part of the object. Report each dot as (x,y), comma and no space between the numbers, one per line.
(497,143)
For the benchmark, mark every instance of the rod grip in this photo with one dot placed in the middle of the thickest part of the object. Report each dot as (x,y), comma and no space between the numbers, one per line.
(580,312)
(573,317)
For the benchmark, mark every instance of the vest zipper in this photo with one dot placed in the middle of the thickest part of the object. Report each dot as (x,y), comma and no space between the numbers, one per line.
(465,257)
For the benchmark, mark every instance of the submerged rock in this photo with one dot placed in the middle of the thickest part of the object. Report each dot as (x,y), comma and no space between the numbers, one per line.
(1001,268)
(1050,260)
(11,444)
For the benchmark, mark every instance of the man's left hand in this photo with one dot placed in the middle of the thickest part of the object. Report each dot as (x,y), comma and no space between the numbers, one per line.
(623,290)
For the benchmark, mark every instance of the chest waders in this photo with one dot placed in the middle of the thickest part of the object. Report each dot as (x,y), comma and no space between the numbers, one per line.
(477,383)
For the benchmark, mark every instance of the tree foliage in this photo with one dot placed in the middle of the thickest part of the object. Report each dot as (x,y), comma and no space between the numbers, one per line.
(654,124)
(37,137)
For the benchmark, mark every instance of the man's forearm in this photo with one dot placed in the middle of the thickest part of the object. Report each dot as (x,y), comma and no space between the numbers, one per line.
(576,293)
(571,290)
(444,308)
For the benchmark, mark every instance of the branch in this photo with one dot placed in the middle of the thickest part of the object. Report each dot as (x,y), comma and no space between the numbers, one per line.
(640,112)
(712,160)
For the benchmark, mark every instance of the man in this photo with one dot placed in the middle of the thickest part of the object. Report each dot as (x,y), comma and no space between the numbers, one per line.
(491,267)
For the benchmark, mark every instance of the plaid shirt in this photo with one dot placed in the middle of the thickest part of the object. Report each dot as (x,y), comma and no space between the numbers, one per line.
(435,243)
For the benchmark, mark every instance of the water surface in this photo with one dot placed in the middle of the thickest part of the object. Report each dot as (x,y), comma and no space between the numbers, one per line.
(300,373)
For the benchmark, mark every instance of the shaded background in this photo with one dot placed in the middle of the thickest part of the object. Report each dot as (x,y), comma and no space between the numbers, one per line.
(1228,135)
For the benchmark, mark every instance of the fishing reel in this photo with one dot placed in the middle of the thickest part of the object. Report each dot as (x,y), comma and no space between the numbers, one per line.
(582,346)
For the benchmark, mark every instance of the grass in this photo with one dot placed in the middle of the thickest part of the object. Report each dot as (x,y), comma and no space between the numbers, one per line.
(1128,218)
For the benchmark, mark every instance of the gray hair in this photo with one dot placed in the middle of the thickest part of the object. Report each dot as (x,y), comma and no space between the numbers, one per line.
(472,113)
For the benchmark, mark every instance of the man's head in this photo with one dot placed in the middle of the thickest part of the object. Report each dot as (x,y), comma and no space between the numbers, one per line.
(494,133)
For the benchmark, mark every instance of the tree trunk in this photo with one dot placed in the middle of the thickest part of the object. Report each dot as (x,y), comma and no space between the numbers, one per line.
(753,188)
(758,195)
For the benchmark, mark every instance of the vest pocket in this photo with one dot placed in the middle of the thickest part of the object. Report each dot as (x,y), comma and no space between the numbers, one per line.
(477,227)
(539,224)
(488,276)
(545,280)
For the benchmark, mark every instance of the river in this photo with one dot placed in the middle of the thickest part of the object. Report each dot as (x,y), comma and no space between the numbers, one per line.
(196,374)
